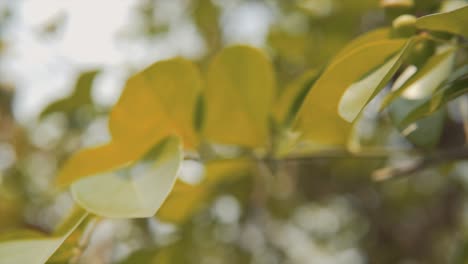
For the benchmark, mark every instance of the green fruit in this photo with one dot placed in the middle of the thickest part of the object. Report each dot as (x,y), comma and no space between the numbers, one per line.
(420,52)
(404,26)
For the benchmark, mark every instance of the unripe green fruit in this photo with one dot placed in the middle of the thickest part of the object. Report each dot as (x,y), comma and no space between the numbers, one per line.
(404,26)
(420,52)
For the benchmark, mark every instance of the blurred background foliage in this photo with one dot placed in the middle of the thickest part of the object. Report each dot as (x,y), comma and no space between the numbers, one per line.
(58,81)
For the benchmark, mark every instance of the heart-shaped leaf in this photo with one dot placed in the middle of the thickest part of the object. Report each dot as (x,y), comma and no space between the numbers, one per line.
(239,96)
(157,102)
(134,191)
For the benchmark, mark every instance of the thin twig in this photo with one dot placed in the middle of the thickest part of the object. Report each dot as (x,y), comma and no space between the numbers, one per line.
(421,163)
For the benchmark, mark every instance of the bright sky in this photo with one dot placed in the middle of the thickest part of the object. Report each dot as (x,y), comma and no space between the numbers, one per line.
(94,35)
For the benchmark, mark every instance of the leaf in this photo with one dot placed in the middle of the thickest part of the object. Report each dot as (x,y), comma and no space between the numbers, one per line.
(358,94)
(290,101)
(155,103)
(455,22)
(426,80)
(239,96)
(366,38)
(183,201)
(80,97)
(430,105)
(135,191)
(32,247)
(318,119)
(72,245)
(158,102)
(425,132)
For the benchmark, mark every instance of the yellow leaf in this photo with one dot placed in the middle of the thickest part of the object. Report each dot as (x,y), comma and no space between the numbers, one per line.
(182,202)
(135,191)
(239,96)
(319,119)
(155,103)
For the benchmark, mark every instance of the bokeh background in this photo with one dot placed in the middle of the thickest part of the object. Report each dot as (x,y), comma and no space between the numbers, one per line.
(63,64)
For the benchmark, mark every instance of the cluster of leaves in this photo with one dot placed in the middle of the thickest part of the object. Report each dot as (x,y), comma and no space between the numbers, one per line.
(171,110)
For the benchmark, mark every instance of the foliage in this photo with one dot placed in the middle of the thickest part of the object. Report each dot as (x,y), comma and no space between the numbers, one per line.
(238,118)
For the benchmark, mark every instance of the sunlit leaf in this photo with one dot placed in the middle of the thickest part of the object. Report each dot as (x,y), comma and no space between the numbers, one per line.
(358,94)
(319,119)
(32,247)
(455,22)
(155,103)
(239,96)
(134,191)
(80,97)
(423,133)
(426,80)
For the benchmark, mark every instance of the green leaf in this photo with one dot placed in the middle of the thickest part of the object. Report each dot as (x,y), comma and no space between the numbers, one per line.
(157,102)
(239,96)
(425,132)
(80,97)
(426,80)
(430,105)
(32,247)
(365,69)
(455,22)
(358,94)
(135,191)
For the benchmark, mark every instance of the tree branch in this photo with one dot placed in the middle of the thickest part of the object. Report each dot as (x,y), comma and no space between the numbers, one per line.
(421,163)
